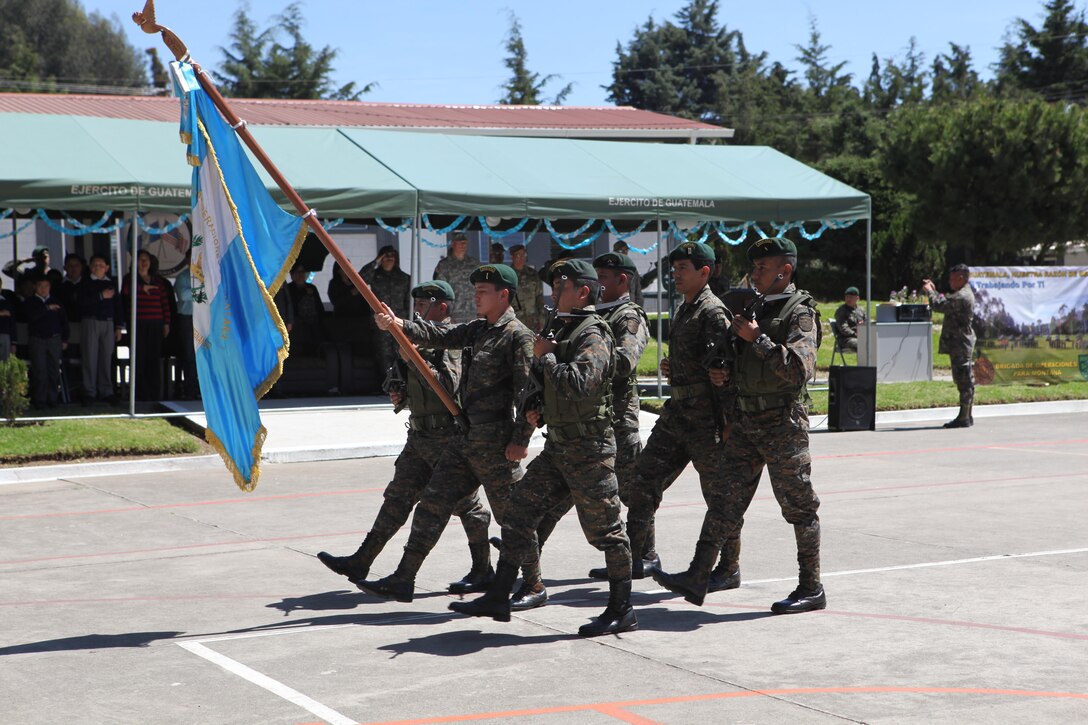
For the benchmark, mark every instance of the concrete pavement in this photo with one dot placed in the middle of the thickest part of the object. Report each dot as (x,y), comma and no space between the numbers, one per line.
(954,563)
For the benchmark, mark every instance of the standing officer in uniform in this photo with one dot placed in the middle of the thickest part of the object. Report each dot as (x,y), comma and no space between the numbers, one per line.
(579,456)
(393,286)
(529,301)
(776,355)
(457,269)
(498,351)
(693,422)
(430,431)
(957,336)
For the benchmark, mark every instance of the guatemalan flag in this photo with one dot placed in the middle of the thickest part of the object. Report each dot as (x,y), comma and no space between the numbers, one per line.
(243,246)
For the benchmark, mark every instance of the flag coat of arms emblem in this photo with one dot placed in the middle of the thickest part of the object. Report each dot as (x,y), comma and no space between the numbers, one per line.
(243,246)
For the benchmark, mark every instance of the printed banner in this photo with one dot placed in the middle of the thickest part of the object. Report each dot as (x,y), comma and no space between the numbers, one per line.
(1031,324)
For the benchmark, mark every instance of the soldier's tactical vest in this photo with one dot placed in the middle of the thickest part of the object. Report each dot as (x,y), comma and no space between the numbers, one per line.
(572,419)
(623,388)
(757,387)
(428,412)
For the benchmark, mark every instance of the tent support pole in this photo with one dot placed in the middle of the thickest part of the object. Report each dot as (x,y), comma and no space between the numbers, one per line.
(869,287)
(660,319)
(417,249)
(132,342)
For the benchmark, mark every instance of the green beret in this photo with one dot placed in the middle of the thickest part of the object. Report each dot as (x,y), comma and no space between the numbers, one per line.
(572,269)
(439,289)
(615,260)
(500,275)
(852,291)
(771,247)
(700,255)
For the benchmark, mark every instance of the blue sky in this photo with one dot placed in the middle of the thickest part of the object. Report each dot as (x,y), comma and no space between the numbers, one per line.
(438,51)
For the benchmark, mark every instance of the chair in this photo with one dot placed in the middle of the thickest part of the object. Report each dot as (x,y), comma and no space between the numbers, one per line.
(837,347)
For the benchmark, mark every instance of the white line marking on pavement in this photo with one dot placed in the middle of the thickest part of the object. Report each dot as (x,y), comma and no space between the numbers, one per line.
(264,681)
(922,565)
(1045,451)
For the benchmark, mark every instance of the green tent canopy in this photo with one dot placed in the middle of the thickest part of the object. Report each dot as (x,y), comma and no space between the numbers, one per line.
(98,164)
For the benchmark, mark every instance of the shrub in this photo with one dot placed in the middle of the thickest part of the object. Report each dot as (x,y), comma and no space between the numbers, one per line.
(14,385)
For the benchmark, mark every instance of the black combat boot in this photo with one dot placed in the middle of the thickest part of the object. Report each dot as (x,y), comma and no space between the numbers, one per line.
(495,603)
(963,420)
(692,583)
(809,594)
(529,596)
(480,576)
(355,567)
(400,585)
(726,574)
(618,616)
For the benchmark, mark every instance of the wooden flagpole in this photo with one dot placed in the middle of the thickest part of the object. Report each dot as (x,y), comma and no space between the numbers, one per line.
(146,21)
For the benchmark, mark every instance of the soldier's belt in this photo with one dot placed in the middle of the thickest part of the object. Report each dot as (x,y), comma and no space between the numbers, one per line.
(492,416)
(573,431)
(426,423)
(684,392)
(760,403)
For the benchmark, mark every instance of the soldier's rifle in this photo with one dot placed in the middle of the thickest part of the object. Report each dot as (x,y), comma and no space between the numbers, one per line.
(721,354)
(531,397)
(146,21)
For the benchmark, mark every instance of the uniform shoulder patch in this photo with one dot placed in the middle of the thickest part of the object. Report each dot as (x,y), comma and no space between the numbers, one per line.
(632,326)
(806,321)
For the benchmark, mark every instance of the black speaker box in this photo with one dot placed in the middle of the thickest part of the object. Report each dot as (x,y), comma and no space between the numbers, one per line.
(851,398)
(912,313)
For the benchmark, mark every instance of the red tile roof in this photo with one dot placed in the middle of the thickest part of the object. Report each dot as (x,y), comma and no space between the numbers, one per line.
(574,121)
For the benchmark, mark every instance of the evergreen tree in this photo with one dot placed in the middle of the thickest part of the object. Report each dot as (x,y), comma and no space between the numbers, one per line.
(258,65)
(1051,61)
(54,46)
(953,77)
(525,88)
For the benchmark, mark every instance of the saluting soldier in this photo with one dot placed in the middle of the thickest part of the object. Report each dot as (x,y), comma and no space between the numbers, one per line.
(393,286)
(693,421)
(957,336)
(431,431)
(578,458)
(498,350)
(776,354)
(529,300)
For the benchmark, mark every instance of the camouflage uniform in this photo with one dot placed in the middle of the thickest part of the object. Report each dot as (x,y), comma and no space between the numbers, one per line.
(430,432)
(498,364)
(528,301)
(394,288)
(457,272)
(578,460)
(687,429)
(628,324)
(958,338)
(772,430)
(849,319)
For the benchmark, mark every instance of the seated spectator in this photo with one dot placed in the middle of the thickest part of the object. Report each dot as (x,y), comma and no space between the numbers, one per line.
(849,317)
(151,328)
(100,330)
(307,332)
(47,326)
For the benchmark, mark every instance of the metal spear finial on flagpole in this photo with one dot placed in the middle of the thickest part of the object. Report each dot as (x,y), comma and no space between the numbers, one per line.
(146,21)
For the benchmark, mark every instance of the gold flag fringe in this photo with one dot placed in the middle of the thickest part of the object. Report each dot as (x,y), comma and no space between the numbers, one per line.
(239,479)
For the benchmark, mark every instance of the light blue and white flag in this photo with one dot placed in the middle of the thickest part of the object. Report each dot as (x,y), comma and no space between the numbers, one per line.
(243,246)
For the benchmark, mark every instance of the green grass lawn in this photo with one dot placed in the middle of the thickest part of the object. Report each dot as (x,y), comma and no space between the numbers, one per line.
(66,440)
(937,394)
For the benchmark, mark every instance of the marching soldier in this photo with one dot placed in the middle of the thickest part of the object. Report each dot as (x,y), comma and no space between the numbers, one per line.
(578,457)
(692,424)
(957,336)
(430,431)
(627,321)
(776,354)
(498,350)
